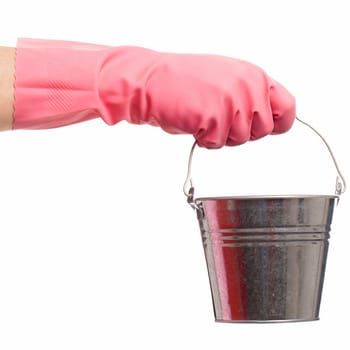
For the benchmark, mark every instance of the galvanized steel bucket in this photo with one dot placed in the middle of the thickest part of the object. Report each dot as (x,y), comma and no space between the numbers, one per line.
(265,255)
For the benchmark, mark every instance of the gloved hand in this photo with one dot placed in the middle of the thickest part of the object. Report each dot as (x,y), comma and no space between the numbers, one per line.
(219,100)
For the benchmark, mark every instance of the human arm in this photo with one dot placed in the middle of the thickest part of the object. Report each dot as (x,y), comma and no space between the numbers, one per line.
(7,76)
(219,100)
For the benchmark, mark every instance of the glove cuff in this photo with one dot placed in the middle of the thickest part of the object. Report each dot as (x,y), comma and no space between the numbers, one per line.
(55,83)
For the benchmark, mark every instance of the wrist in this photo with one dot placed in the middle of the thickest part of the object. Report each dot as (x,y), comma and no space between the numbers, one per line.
(7,77)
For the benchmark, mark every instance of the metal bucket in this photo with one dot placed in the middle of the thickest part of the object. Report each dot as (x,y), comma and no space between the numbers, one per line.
(266,255)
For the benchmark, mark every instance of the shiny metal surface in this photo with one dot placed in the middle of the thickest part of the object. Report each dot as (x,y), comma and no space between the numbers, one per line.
(266,256)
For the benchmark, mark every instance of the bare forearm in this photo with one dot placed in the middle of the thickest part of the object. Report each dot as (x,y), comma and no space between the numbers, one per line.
(7,77)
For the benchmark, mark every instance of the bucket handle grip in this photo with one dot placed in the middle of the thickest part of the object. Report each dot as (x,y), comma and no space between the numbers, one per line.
(188,188)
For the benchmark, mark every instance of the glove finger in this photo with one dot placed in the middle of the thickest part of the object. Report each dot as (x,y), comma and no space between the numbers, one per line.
(262,117)
(212,136)
(283,108)
(240,130)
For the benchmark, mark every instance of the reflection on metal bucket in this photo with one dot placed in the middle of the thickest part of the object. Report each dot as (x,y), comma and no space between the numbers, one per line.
(266,256)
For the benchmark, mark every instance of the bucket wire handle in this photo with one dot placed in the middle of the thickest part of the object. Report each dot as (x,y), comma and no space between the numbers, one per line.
(340,185)
(188,187)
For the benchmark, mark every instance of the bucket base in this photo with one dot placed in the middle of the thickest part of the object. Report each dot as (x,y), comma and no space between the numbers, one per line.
(268,321)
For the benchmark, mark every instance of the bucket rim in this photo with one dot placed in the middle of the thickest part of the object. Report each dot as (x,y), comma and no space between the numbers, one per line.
(273,196)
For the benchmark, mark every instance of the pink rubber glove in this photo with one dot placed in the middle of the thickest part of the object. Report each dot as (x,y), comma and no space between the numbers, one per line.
(217,99)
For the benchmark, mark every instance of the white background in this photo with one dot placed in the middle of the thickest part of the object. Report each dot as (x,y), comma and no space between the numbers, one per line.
(98,248)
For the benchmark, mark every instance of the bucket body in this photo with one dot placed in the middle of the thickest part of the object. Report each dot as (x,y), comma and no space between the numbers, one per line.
(266,256)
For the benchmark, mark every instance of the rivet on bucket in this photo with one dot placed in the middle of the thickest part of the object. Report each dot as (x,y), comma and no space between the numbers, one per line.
(266,255)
